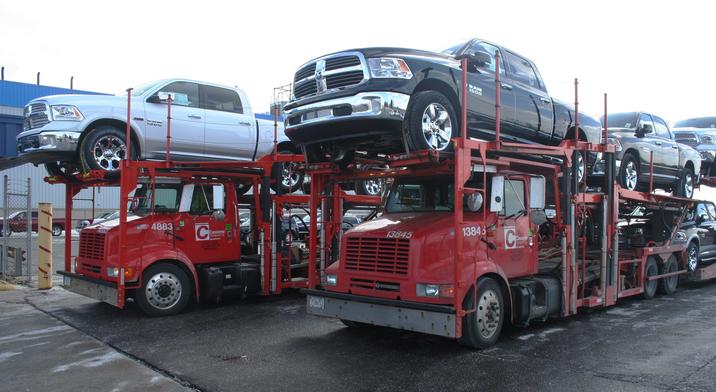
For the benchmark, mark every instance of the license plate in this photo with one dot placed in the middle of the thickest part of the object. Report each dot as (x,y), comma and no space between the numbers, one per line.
(316,302)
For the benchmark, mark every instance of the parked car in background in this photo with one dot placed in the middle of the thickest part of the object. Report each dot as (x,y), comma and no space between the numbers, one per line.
(384,100)
(699,232)
(71,133)
(699,133)
(103,217)
(17,223)
(638,135)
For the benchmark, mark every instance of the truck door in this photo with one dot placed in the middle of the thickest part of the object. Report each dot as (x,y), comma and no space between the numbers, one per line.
(669,147)
(207,238)
(187,125)
(481,95)
(533,107)
(515,251)
(230,125)
(706,215)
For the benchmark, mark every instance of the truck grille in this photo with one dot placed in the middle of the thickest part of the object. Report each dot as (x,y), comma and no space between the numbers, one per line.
(341,70)
(370,284)
(377,254)
(687,138)
(91,246)
(35,116)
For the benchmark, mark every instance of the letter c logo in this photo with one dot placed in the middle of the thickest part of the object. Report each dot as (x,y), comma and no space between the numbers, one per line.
(202,231)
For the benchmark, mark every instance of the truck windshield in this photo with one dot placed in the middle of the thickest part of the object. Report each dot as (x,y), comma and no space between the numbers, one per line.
(421,195)
(142,88)
(621,120)
(166,198)
(452,51)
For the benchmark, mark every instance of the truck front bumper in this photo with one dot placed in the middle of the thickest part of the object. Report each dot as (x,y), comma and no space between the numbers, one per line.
(411,316)
(48,146)
(362,114)
(90,287)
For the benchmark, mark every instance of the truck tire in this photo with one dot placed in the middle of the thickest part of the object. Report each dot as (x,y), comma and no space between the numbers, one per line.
(103,149)
(56,230)
(481,329)
(668,284)
(685,184)
(370,187)
(692,256)
(629,172)
(287,178)
(62,169)
(165,290)
(431,122)
(650,269)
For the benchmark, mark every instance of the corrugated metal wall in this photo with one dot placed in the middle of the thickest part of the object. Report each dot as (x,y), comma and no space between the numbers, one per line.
(19,94)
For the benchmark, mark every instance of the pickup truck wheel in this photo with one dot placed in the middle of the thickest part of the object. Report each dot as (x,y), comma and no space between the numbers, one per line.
(629,172)
(165,290)
(686,183)
(667,285)
(370,187)
(103,149)
(432,122)
(692,256)
(56,230)
(581,166)
(62,169)
(286,176)
(650,269)
(482,328)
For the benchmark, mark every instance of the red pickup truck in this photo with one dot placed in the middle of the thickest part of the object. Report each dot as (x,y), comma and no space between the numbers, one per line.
(17,222)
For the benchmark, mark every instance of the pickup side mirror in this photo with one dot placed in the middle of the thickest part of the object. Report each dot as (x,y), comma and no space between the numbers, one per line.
(644,129)
(482,59)
(180,99)
(702,218)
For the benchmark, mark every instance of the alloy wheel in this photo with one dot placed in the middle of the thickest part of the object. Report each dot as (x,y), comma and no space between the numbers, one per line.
(693,258)
(108,151)
(630,175)
(373,187)
(688,185)
(437,127)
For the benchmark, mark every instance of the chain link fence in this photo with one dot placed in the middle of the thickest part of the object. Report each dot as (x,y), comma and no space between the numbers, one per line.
(18,223)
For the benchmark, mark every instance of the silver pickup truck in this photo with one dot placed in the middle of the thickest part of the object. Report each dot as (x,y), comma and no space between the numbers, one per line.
(70,133)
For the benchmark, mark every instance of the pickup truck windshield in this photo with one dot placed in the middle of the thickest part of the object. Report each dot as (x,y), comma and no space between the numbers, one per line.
(452,51)
(622,120)
(166,198)
(142,88)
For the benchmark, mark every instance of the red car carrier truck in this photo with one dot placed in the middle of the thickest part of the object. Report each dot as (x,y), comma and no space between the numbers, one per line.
(497,233)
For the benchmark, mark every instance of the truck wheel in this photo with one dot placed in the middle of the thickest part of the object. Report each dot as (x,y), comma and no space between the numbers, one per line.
(481,329)
(629,172)
(650,269)
(165,290)
(685,187)
(62,169)
(56,230)
(668,284)
(288,178)
(432,122)
(103,149)
(370,187)
(692,256)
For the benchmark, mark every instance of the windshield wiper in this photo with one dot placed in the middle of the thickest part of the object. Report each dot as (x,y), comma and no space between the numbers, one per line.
(515,215)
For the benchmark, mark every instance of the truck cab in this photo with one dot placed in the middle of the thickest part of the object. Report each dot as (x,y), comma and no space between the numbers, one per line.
(183,240)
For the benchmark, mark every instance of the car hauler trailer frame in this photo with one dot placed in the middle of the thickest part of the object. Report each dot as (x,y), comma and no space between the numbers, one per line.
(163,255)
(598,247)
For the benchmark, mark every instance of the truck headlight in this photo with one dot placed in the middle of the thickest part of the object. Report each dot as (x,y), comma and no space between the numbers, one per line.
(331,280)
(389,67)
(66,113)
(112,272)
(434,290)
(617,144)
(708,155)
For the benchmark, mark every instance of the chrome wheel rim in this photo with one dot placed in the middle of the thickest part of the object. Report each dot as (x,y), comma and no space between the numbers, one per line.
(289,175)
(580,167)
(630,175)
(437,127)
(163,290)
(693,258)
(488,314)
(373,187)
(688,185)
(108,151)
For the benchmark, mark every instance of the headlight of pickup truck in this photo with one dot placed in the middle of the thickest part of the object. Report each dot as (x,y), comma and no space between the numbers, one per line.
(617,144)
(389,67)
(66,113)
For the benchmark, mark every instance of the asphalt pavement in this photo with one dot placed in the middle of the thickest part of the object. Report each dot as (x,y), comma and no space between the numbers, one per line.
(271,344)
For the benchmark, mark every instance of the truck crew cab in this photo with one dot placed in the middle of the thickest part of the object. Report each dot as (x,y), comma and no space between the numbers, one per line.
(184,240)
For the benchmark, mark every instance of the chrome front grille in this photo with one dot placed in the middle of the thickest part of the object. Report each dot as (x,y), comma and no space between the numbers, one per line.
(35,116)
(377,254)
(328,74)
(687,138)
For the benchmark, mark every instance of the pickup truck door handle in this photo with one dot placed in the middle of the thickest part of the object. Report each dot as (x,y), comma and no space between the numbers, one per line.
(244,123)
(545,100)
(658,143)
(194,116)
(506,86)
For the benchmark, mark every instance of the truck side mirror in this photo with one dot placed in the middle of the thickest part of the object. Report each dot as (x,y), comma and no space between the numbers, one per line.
(186,195)
(537,192)
(497,197)
(218,196)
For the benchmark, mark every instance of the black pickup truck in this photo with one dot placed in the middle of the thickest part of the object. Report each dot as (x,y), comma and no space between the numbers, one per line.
(387,100)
